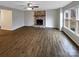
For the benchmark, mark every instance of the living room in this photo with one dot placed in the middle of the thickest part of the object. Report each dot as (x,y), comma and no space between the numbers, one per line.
(39,28)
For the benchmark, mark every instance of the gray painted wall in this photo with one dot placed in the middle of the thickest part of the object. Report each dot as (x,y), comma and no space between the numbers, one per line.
(25,18)
(17,19)
(51,18)
(28,18)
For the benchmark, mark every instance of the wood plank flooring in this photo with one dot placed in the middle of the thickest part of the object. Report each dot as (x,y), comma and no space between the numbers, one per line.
(36,42)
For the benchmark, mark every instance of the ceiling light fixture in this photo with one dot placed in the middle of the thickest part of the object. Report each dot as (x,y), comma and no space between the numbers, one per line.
(29,8)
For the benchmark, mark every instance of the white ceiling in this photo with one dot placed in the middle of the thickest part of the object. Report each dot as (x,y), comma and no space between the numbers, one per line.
(43,5)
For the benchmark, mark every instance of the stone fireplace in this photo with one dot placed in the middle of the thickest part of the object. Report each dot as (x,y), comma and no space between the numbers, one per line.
(39,18)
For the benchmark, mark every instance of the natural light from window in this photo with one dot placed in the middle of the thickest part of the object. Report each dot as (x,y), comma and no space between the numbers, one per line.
(71,19)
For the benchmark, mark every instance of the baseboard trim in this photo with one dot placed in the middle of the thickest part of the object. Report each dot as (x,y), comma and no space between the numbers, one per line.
(17,28)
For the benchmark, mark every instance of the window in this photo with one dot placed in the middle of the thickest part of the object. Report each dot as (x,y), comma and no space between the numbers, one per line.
(66,17)
(77,23)
(71,19)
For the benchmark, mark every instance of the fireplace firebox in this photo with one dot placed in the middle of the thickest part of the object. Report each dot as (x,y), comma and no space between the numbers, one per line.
(39,22)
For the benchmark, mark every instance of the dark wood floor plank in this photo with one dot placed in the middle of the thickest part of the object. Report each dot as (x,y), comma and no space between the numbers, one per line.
(29,41)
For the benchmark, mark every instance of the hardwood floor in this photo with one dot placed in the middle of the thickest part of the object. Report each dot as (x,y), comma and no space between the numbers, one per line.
(29,41)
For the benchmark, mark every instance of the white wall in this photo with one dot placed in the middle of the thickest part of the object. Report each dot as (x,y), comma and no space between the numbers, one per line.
(61,22)
(12,20)
(17,19)
(25,18)
(51,18)
(28,18)
(58,18)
